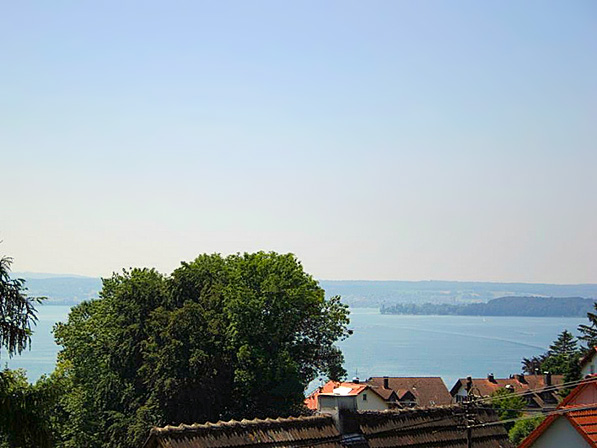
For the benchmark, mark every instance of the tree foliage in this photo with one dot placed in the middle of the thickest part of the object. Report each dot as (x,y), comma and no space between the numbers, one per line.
(523,428)
(17,311)
(507,404)
(221,337)
(562,358)
(588,333)
(23,421)
(532,366)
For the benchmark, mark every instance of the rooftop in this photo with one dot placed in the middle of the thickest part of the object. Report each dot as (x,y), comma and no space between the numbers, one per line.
(409,428)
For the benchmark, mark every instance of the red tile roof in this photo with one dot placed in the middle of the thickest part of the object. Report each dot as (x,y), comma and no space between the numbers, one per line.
(486,387)
(540,394)
(583,420)
(585,423)
(429,391)
(328,388)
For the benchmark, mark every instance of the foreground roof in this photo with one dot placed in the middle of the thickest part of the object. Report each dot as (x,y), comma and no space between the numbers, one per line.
(440,426)
(429,391)
(281,432)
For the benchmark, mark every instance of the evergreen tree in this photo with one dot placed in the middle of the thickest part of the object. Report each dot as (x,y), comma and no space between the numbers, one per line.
(17,311)
(565,345)
(589,332)
(22,411)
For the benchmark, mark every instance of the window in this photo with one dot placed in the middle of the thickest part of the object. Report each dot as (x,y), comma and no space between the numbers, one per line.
(364,397)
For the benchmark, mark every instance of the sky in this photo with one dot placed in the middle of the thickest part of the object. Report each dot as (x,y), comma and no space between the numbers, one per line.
(406,140)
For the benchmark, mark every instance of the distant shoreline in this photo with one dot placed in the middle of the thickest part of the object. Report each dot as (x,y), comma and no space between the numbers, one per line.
(503,306)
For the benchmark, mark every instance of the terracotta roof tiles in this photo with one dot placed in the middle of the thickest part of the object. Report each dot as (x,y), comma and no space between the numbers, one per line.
(429,391)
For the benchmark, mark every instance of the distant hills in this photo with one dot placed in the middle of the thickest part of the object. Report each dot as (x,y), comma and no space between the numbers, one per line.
(378,293)
(60,290)
(70,290)
(503,306)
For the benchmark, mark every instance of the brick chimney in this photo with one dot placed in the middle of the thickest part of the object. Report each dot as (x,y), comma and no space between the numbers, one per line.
(469,383)
(386,382)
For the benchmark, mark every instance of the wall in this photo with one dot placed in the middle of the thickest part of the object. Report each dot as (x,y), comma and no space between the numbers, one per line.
(561,434)
(373,403)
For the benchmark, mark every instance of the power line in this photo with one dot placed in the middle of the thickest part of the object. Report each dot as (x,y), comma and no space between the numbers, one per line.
(548,414)
(538,390)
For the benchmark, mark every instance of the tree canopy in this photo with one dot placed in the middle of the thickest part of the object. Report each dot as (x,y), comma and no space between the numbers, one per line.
(588,333)
(561,359)
(17,311)
(21,412)
(221,337)
(507,404)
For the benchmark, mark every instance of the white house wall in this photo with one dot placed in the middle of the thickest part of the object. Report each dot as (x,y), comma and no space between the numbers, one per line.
(373,402)
(561,434)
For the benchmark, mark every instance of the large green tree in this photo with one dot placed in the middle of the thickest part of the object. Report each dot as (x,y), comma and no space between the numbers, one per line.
(221,337)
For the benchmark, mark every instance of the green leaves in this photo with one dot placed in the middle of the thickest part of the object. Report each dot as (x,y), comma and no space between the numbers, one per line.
(17,311)
(507,404)
(222,337)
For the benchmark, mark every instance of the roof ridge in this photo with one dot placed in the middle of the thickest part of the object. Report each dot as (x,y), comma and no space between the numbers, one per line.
(236,423)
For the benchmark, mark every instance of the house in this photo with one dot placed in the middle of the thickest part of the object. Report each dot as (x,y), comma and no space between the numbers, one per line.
(379,393)
(541,390)
(334,393)
(588,364)
(573,424)
(439,426)
(413,391)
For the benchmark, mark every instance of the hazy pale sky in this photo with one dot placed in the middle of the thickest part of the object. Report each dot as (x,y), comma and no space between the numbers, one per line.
(404,140)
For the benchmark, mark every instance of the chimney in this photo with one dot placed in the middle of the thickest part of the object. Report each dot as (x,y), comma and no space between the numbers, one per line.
(520,378)
(547,378)
(356,380)
(491,378)
(469,383)
(386,382)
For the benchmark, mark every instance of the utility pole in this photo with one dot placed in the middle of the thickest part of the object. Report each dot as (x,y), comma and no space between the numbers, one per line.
(468,416)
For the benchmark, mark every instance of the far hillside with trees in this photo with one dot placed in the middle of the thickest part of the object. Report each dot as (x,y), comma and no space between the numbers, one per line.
(503,306)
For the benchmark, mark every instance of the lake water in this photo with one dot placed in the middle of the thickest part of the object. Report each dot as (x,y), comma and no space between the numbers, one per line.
(448,346)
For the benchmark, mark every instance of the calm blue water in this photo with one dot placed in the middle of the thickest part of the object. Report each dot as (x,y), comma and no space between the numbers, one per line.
(448,346)
(42,356)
